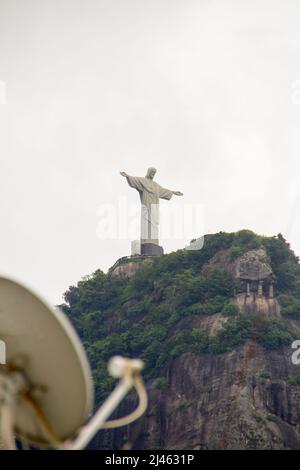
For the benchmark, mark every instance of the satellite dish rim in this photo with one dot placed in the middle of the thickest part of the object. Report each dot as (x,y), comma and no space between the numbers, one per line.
(71,335)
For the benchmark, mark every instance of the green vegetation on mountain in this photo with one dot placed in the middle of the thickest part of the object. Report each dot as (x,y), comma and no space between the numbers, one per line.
(138,316)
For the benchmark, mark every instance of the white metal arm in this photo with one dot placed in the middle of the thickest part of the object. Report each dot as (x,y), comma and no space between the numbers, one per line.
(13,387)
(129,372)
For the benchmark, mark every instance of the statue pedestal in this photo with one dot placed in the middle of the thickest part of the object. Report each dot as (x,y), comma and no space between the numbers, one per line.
(151,249)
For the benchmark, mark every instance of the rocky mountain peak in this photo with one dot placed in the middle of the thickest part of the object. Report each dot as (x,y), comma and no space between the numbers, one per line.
(215,328)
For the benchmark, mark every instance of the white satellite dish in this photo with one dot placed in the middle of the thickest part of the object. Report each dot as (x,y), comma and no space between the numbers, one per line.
(46,388)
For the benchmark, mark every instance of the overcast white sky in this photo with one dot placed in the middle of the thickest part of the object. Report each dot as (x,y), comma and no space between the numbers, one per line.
(206,91)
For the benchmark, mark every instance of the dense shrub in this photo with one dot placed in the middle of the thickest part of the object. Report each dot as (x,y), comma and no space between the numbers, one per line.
(137,316)
(293,380)
(230,309)
(235,252)
(291,307)
(273,334)
(161,384)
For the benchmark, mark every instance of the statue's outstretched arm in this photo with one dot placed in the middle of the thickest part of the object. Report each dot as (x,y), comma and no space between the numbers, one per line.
(177,193)
(134,181)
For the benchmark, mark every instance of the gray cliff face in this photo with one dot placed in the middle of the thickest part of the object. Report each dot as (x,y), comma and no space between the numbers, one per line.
(236,400)
(225,402)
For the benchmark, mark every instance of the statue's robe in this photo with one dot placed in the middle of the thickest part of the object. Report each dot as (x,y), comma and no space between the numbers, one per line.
(150,192)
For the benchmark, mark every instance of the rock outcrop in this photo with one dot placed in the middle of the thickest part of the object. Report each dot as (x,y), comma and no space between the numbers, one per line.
(128,266)
(254,265)
(254,270)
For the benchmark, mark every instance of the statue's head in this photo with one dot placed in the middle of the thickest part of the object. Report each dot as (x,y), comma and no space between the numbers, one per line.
(151,173)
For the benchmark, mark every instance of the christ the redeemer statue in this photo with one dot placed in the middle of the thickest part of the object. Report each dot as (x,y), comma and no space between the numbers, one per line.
(150,192)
